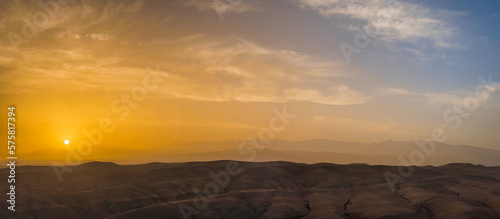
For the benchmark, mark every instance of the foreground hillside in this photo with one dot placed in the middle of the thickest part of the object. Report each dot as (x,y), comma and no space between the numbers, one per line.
(257,190)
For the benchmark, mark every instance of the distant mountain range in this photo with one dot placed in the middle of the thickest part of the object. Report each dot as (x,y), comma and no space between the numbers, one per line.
(308,151)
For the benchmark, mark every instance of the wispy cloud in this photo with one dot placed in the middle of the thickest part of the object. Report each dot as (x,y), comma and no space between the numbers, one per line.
(236,69)
(439,98)
(224,6)
(350,124)
(99,36)
(197,67)
(397,21)
(335,95)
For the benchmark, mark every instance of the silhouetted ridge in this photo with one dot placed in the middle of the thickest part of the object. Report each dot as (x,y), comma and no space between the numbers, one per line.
(97,164)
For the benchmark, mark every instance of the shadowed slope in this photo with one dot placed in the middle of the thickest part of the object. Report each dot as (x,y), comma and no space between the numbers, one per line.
(261,190)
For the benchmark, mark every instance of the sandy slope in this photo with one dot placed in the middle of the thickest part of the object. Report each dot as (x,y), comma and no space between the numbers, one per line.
(261,190)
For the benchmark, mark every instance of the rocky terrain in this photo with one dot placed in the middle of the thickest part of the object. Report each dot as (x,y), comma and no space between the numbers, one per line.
(229,189)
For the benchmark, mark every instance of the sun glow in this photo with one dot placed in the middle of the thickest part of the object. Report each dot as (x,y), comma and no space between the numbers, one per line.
(66,141)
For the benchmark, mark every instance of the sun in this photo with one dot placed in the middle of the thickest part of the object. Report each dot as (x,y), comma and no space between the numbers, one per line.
(66,141)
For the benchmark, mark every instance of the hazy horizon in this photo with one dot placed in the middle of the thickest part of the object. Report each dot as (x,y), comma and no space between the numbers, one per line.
(418,153)
(238,141)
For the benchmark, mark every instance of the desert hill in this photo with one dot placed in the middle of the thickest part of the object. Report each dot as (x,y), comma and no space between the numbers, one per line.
(260,190)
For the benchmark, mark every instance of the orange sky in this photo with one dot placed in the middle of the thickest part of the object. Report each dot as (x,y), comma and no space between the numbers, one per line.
(213,79)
